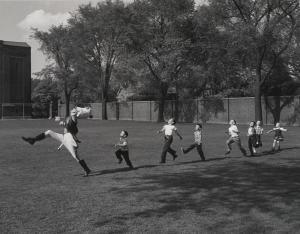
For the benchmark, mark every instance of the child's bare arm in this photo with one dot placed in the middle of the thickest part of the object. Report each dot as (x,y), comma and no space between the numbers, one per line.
(272,130)
(161,130)
(180,137)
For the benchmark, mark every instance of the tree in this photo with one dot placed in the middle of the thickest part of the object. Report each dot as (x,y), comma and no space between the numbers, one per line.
(156,38)
(45,90)
(99,34)
(279,89)
(262,31)
(56,44)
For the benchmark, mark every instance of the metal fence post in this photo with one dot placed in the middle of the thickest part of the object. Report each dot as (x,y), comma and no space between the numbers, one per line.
(197,103)
(150,111)
(131,109)
(228,110)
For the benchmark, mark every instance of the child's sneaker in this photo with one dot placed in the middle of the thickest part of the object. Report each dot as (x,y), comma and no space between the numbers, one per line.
(182,150)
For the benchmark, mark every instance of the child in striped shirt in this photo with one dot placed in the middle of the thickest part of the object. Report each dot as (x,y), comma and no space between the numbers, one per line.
(122,149)
(198,142)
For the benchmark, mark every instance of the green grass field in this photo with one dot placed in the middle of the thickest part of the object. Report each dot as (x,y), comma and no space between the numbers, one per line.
(43,190)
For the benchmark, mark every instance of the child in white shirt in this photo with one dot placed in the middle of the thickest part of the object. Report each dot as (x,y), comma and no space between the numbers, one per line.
(234,138)
(168,130)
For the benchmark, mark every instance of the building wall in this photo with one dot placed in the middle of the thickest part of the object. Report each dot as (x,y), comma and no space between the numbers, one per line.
(15,74)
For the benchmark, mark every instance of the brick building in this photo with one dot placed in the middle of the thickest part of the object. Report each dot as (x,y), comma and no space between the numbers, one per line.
(15,77)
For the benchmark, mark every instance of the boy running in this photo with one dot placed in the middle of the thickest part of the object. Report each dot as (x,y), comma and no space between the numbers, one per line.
(168,130)
(122,146)
(197,143)
(234,138)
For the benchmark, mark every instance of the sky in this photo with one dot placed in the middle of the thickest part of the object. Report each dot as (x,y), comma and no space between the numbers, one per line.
(17,17)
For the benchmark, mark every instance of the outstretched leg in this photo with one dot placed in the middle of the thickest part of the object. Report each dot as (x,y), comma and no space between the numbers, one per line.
(32,140)
(185,151)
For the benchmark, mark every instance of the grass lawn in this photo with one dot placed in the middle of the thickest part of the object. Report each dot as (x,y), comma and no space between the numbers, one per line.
(43,190)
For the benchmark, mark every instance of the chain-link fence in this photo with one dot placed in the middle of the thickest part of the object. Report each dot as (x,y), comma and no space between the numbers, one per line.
(209,110)
(15,110)
(28,110)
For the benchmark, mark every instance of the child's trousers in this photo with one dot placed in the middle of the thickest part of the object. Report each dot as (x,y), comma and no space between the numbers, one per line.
(119,153)
(199,150)
(167,148)
(251,144)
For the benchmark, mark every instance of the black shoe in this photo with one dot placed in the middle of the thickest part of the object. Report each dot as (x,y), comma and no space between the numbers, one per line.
(31,141)
(227,152)
(175,156)
(120,160)
(162,162)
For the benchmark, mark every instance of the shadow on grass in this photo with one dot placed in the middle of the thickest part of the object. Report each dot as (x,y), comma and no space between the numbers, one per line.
(110,171)
(271,152)
(238,187)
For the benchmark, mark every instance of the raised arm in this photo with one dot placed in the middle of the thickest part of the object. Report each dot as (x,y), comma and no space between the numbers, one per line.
(161,130)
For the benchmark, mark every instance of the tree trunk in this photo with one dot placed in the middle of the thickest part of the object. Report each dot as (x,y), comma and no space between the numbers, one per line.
(161,104)
(67,97)
(258,107)
(104,106)
(161,108)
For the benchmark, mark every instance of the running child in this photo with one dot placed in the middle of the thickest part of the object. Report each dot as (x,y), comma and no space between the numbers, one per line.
(122,149)
(278,137)
(234,137)
(68,139)
(252,138)
(168,130)
(198,142)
